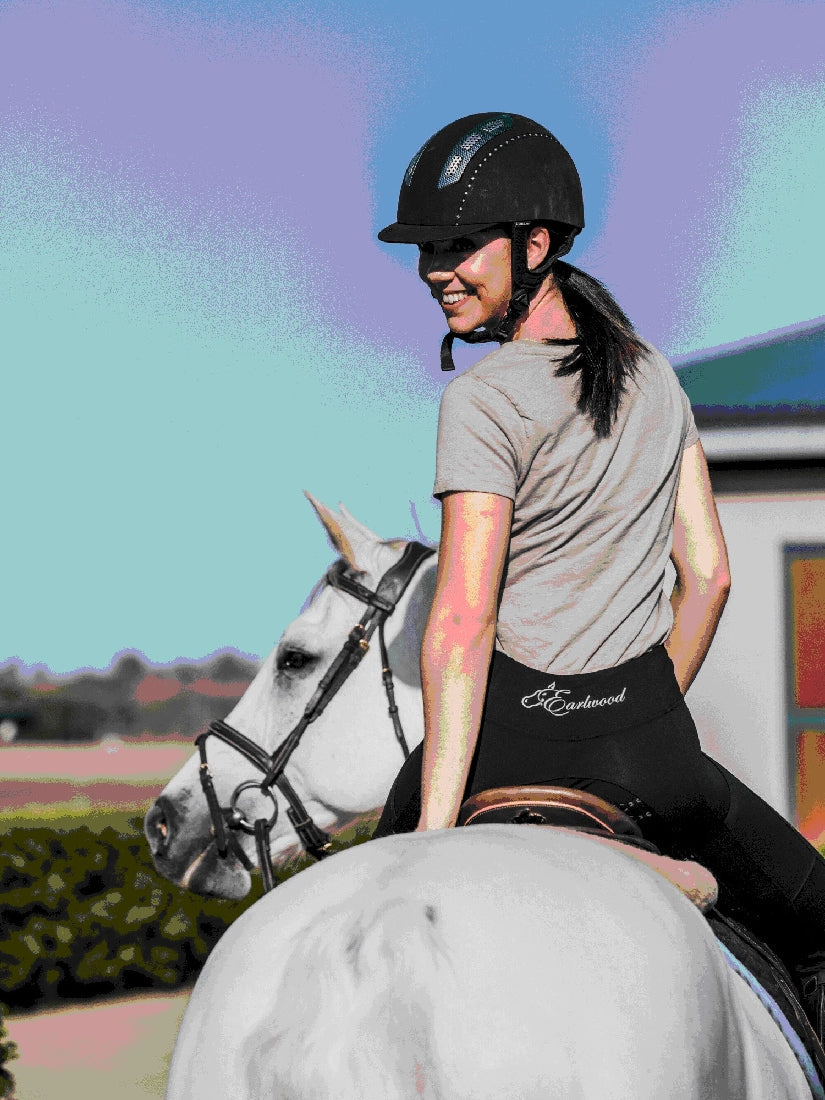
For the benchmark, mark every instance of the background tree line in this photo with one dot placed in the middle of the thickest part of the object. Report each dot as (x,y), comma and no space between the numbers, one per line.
(131,698)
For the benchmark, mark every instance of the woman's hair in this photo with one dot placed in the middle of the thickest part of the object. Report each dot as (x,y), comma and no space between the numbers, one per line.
(609,348)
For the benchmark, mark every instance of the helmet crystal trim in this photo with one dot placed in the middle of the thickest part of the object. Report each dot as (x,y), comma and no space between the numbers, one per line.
(464,151)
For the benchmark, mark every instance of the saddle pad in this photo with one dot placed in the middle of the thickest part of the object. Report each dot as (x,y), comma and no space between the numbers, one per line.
(781,1020)
(695,881)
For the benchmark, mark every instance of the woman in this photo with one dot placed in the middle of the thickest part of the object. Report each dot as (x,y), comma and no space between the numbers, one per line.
(570,471)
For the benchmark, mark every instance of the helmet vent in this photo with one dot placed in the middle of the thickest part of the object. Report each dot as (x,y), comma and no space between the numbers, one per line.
(464,151)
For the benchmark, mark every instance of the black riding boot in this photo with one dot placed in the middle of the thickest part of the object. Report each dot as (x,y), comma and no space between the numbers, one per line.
(811,978)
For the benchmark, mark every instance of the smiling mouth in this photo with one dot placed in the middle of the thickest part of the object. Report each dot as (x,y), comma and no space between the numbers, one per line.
(455,298)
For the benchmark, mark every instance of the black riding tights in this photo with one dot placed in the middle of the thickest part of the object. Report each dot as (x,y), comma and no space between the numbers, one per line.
(626,733)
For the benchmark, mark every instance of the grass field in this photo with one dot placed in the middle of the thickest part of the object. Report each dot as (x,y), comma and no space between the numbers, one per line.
(75,813)
(111,784)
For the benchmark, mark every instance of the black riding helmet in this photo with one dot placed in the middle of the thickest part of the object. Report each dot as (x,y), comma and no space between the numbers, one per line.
(486,170)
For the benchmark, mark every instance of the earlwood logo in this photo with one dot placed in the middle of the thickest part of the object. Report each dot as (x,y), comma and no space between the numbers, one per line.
(551,698)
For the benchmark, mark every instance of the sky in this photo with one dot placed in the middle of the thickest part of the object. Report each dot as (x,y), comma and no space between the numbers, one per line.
(199,324)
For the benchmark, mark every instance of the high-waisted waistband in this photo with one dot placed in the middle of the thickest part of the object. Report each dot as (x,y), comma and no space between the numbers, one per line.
(589,704)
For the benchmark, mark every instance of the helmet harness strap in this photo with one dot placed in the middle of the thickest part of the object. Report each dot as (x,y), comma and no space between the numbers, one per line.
(525,283)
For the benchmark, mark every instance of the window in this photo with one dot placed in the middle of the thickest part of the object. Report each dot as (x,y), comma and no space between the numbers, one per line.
(805,683)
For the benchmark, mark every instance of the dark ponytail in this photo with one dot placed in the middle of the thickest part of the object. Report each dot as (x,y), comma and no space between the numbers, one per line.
(609,348)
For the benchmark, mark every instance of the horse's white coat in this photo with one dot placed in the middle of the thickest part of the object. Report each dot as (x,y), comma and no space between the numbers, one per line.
(497,961)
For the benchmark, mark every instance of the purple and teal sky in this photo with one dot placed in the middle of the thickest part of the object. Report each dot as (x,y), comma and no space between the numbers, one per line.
(198,322)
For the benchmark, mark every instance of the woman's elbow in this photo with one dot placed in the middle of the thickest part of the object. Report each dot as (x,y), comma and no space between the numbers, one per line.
(724,591)
(720,579)
(710,584)
(714,589)
(450,635)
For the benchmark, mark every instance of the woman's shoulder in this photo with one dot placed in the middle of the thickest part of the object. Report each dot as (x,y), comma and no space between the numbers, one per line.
(483,386)
(655,357)
(656,367)
(516,382)
(504,367)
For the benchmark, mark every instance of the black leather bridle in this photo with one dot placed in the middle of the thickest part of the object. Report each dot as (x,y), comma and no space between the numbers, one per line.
(229,819)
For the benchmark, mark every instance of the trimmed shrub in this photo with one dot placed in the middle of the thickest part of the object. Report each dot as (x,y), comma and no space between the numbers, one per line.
(8,1050)
(86,915)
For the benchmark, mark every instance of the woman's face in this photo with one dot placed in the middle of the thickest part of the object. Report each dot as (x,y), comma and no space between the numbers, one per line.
(469,277)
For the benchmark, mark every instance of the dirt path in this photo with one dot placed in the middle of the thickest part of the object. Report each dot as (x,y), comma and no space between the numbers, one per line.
(118,1049)
(102,760)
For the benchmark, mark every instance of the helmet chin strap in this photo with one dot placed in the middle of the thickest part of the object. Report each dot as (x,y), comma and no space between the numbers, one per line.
(525,282)
(477,336)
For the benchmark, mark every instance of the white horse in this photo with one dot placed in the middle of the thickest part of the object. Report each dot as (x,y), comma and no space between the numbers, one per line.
(470,964)
(492,961)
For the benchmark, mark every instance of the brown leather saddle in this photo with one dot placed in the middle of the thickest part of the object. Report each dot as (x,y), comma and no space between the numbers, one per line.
(546,805)
(565,808)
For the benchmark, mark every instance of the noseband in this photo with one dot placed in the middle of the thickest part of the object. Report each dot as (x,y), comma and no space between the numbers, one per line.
(229,819)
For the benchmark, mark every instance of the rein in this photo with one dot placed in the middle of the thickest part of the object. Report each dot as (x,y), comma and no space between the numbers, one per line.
(227,820)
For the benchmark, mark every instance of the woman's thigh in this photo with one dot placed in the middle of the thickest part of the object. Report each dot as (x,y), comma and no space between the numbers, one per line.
(403,806)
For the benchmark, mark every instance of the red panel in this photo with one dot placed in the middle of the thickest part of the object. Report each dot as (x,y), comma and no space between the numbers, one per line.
(808,629)
(810,785)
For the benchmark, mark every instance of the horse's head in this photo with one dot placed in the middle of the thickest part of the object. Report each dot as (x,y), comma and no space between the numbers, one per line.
(346,759)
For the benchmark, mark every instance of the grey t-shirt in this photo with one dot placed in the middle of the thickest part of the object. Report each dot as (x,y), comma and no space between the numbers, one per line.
(593,518)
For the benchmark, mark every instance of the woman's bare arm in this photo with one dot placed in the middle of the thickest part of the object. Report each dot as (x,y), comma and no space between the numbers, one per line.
(702,574)
(458,644)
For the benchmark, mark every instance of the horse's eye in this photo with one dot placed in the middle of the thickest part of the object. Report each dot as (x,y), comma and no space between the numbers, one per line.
(293,659)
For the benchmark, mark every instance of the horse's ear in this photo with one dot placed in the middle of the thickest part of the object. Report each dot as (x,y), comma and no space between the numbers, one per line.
(349,537)
(354,524)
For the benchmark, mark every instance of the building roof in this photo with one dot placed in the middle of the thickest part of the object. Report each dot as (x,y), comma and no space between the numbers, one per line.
(763,397)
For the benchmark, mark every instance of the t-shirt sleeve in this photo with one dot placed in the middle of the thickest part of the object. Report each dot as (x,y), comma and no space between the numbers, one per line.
(691,431)
(478,440)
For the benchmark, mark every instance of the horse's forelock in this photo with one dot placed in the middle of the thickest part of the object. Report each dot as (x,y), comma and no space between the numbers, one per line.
(313,594)
(342,565)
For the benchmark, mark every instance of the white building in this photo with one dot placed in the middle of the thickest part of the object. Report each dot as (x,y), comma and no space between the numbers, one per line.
(759,701)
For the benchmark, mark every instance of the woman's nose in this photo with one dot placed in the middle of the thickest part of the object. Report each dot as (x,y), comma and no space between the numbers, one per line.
(435,269)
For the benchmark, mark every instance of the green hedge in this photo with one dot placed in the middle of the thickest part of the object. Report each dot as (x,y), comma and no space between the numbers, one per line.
(8,1050)
(87,915)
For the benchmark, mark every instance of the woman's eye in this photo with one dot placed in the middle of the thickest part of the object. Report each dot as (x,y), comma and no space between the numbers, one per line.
(293,659)
(447,248)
